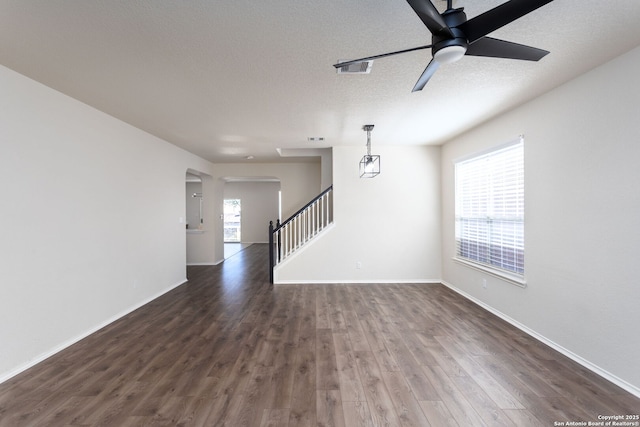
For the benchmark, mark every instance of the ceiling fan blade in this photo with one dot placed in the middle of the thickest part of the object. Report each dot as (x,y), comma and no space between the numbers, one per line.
(368,58)
(495,48)
(426,75)
(499,16)
(430,16)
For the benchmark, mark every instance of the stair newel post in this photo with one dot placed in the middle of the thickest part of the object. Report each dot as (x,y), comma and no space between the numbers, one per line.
(271,257)
(278,242)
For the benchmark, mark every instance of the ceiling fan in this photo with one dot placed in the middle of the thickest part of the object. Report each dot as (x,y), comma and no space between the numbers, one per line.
(453,36)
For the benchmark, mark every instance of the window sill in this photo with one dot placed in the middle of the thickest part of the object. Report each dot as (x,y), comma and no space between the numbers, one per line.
(511,278)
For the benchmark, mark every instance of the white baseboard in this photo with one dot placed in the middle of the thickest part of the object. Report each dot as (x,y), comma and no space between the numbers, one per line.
(571,355)
(12,373)
(204,263)
(359,282)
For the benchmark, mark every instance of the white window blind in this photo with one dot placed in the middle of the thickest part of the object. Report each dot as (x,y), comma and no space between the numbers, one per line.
(490,208)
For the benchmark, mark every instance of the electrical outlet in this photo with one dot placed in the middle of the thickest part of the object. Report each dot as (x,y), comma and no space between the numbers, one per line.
(484,283)
(358,265)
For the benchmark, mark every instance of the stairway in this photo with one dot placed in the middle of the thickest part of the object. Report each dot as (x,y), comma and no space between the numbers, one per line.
(289,236)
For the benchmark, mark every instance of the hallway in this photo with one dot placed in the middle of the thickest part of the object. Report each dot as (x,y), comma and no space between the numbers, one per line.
(228,348)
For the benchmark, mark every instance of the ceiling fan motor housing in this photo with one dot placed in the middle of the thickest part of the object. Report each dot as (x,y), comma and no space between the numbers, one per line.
(447,49)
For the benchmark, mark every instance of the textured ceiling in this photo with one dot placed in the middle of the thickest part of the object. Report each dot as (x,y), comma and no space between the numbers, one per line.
(229,79)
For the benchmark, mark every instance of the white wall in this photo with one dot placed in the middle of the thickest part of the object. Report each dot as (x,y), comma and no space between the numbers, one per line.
(299,182)
(89,223)
(259,204)
(326,165)
(193,204)
(582,147)
(390,223)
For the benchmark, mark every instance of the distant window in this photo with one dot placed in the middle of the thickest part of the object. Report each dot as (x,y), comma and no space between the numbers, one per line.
(490,209)
(232,220)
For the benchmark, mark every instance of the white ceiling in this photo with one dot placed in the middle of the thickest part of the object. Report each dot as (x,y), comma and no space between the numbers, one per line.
(229,79)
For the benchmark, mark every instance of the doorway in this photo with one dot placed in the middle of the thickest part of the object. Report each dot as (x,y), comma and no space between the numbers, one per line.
(232,210)
(232,220)
(199,220)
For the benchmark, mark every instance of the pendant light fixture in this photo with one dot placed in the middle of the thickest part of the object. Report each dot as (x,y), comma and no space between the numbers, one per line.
(370,164)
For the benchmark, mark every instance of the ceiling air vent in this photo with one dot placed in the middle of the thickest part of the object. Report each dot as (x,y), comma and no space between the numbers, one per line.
(363,67)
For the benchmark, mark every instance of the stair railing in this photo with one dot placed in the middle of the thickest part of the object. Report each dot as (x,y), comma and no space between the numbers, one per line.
(288,236)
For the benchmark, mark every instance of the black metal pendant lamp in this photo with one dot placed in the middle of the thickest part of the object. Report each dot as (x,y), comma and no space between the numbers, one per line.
(370,164)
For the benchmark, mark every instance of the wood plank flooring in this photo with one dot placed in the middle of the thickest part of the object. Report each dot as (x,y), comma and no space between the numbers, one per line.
(228,349)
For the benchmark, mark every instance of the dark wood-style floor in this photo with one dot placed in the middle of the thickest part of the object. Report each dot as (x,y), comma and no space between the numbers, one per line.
(227,348)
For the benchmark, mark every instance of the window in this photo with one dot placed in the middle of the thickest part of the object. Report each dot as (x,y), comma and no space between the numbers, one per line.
(490,210)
